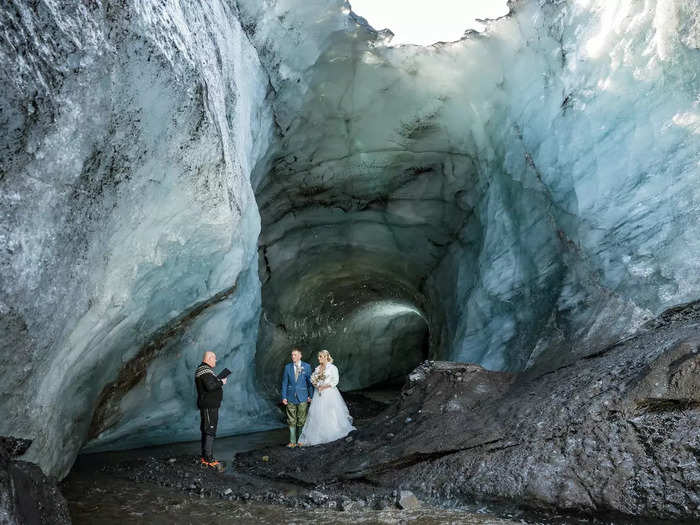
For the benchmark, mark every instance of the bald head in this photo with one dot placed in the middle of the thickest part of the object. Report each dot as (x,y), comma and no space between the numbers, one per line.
(209,358)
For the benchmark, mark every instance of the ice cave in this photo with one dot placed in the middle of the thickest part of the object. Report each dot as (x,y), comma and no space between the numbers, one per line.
(251,176)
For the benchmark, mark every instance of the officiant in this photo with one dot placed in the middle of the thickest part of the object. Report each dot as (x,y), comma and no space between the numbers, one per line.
(209,395)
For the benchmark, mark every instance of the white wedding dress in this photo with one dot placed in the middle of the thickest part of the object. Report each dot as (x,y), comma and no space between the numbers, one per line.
(328,418)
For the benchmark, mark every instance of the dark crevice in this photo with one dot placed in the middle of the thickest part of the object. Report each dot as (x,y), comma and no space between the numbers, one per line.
(657,405)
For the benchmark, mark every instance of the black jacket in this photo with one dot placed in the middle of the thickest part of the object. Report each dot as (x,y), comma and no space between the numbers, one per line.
(209,387)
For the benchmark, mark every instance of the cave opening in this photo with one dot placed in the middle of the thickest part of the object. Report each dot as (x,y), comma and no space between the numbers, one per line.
(444,21)
(362,306)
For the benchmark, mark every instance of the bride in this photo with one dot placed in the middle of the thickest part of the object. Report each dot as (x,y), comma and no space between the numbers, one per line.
(328,417)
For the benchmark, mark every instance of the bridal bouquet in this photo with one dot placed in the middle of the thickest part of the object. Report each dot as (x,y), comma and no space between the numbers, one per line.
(317,380)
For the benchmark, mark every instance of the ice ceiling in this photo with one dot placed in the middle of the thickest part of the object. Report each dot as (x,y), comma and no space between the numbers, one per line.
(247,176)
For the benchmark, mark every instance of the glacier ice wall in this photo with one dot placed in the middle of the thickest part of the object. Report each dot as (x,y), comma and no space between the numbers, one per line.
(532,191)
(129,226)
(596,163)
(516,199)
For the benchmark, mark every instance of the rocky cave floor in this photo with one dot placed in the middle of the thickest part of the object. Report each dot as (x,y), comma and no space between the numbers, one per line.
(610,438)
(167,484)
(154,486)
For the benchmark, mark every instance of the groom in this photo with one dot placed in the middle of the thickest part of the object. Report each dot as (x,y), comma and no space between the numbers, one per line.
(296,394)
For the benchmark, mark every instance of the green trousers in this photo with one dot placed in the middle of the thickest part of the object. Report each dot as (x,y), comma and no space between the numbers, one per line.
(296,414)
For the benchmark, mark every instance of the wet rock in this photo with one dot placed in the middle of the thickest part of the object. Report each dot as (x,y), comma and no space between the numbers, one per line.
(317,497)
(615,431)
(380,504)
(349,505)
(408,500)
(26,494)
(673,380)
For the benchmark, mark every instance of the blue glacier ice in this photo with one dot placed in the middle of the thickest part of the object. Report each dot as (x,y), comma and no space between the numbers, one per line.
(128,135)
(536,184)
(246,176)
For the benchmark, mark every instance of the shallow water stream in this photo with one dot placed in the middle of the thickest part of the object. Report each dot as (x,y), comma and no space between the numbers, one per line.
(99,499)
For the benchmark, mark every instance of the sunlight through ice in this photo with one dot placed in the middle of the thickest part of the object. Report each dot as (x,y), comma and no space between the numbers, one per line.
(424,23)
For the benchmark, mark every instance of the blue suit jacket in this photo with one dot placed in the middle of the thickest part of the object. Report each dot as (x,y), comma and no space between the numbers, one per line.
(297,391)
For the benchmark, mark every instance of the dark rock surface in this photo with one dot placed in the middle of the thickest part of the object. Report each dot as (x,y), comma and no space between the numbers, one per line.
(615,433)
(27,496)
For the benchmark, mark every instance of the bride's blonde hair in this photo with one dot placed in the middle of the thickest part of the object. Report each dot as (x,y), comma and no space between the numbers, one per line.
(327,355)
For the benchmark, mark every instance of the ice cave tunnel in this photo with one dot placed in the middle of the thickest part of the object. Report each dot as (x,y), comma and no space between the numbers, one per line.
(250,176)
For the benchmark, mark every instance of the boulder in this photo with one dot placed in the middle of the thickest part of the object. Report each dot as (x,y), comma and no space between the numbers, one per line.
(27,496)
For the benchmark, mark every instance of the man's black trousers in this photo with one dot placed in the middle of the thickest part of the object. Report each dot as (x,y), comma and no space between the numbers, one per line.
(209,420)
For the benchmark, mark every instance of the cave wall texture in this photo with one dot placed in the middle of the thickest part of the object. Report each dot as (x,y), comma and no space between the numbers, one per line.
(128,134)
(246,176)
